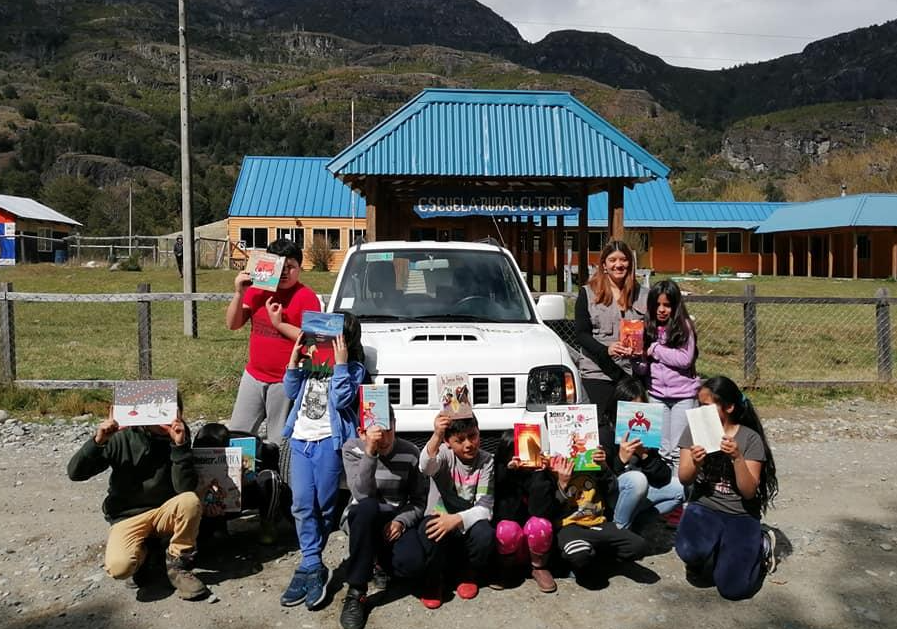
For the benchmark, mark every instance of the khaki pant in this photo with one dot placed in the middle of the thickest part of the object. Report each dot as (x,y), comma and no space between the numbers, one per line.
(179,518)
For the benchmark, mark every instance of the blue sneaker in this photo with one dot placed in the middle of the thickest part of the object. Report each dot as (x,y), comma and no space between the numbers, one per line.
(297,590)
(317,586)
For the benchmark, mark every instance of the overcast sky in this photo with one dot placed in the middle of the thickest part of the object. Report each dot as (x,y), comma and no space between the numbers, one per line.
(699,33)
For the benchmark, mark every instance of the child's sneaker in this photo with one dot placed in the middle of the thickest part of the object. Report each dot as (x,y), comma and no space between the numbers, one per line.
(354,614)
(673,517)
(467,587)
(431,597)
(769,549)
(380,578)
(317,587)
(297,590)
(182,579)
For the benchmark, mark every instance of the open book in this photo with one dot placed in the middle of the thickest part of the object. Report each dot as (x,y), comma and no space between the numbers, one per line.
(706,427)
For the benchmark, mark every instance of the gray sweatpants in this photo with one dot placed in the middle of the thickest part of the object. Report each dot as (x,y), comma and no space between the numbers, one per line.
(257,401)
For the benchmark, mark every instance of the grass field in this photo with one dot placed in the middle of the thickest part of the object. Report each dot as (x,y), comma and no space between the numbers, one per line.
(74,341)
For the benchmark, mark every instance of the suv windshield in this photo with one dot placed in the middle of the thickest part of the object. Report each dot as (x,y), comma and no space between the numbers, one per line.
(423,284)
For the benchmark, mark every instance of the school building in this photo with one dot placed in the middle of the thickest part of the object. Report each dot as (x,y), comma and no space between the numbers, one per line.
(533,170)
(31,231)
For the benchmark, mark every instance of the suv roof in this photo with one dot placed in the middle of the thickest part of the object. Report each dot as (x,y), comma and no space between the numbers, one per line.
(428,244)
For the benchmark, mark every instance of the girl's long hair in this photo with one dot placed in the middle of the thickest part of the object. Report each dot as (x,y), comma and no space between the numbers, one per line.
(726,393)
(352,336)
(600,283)
(504,450)
(679,325)
(628,389)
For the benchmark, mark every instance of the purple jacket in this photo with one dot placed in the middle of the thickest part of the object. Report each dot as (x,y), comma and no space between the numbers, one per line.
(670,370)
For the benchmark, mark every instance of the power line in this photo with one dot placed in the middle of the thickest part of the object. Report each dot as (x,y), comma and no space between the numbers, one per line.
(660,30)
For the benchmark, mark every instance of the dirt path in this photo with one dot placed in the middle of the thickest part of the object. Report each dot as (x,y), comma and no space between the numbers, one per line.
(836,517)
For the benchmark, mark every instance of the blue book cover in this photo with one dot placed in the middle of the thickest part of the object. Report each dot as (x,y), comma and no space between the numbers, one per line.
(374,405)
(641,421)
(248,447)
(322,323)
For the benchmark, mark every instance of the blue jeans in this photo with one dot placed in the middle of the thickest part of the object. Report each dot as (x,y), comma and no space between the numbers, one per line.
(674,423)
(635,495)
(315,469)
(731,544)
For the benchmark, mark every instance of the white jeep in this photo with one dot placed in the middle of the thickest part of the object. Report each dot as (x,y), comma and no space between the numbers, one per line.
(428,308)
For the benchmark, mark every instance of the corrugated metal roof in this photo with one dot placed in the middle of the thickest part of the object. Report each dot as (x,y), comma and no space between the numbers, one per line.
(487,133)
(31,209)
(292,186)
(857,210)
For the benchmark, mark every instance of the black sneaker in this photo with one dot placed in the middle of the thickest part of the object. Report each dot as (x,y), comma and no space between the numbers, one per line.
(354,614)
(380,578)
(317,587)
(769,549)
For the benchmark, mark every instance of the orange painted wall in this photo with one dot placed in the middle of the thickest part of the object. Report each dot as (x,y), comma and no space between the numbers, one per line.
(308,224)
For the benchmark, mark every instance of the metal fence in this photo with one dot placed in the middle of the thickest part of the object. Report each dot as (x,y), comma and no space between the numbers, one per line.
(210,253)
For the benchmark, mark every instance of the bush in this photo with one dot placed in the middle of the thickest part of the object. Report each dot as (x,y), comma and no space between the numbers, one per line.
(9,92)
(725,270)
(131,263)
(695,272)
(28,110)
(320,254)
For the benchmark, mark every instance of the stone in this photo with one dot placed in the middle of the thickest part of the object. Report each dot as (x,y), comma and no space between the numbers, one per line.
(886,547)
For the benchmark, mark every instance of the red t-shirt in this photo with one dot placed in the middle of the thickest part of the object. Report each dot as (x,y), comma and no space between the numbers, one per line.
(269,350)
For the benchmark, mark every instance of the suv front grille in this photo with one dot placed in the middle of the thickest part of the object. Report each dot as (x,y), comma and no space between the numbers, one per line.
(420,391)
(480,390)
(395,392)
(508,391)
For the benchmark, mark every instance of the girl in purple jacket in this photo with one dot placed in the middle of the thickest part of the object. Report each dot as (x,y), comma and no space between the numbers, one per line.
(670,356)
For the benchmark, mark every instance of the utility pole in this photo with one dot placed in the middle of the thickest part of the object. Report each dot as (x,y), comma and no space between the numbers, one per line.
(130,215)
(186,179)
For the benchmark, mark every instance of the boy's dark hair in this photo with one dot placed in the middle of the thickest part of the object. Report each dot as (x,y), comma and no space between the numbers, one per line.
(286,248)
(212,435)
(462,426)
(352,336)
(504,450)
(628,389)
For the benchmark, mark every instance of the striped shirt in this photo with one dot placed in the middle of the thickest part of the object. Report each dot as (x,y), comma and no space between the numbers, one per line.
(458,487)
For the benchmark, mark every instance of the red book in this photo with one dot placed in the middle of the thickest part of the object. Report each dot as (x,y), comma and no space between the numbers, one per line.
(632,335)
(528,444)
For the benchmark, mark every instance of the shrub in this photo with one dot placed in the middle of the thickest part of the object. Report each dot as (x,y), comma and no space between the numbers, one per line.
(695,272)
(28,110)
(131,263)
(9,92)
(320,254)
(726,270)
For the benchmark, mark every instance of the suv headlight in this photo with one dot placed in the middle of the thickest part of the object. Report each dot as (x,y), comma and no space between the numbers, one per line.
(551,384)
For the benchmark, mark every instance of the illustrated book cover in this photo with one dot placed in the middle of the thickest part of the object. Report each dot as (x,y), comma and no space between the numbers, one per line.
(454,395)
(528,444)
(641,421)
(632,335)
(374,405)
(220,476)
(145,402)
(265,269)
(573,433)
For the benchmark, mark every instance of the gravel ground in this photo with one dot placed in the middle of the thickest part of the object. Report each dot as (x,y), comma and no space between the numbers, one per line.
(836,522)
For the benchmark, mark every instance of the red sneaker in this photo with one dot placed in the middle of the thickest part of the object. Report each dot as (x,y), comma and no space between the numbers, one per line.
(467,587)
(672,518)
(432,595)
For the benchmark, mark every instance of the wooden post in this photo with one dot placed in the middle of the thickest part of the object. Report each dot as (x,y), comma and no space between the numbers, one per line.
(543,253)
(7,337)
(750,333)
(515,237)
(370,200)
(809,256)
(760,259)
(790,256)
(894,259)
(560,246)
(144,337)
(775,258)
(189,282)
(650,248)
(856,255)
(583,231)
(682,256)
(883,335)
(530,255)
(615,210)
(712,237)
(831,256)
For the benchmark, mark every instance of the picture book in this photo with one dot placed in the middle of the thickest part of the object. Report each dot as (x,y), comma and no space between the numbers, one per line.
(220,476)
(632,335)
(145,402)
(325,324)
(454,395)
(706,427)
(528,444)
(374,405)
(265,269)
(573,433)
(641,421)
(248,447)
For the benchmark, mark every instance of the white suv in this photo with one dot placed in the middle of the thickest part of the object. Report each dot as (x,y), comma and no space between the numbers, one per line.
(442,307)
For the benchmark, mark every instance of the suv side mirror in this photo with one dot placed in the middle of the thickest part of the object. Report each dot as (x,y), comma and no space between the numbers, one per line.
(552,307)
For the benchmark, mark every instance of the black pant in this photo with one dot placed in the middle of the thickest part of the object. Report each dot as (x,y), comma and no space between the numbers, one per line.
(404,557)
(580,545)
(179,260)
(599,392)
(472,549)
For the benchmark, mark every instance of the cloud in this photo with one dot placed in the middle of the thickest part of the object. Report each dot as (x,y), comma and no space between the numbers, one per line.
(699,33)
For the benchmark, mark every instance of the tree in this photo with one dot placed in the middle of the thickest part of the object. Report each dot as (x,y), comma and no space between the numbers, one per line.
(70,195)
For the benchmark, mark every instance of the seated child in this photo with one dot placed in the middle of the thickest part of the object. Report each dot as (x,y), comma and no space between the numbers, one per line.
(389,495)
(645,483)
(151,494)
(524,505)
(459,507)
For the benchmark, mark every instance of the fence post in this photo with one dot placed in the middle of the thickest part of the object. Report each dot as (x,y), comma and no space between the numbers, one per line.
(7,337)
(144,336)
(883,335)
(750,333)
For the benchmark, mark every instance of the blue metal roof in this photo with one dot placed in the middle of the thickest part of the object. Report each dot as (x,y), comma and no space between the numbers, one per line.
(858,210)
(292,186)
(483,133)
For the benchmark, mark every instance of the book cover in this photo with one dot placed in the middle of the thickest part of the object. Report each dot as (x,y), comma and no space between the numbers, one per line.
(632,335)
(145,402)
(248,447)
(265,269)
(220,476)
(324,324)
(641,421)
(573,433)
(454,395)
(528,444)
(374,405)
(706,427)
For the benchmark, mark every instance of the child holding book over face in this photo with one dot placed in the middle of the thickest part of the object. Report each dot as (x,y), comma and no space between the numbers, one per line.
(644,481)
(322,419)
(671,351)
(524,507)
(720,532)
(459,507)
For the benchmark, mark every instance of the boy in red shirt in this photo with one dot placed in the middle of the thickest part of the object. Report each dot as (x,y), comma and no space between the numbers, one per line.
(276,318)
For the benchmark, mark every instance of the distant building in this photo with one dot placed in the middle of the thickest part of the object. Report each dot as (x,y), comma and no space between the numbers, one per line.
(31,231)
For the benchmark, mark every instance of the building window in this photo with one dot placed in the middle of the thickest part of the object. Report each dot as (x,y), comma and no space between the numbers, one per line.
(728,242)
(254,237)
(296,234)
(864,247)
(694,242)
(597,240)
(44,244)
(332,236)
(356,234)
(761,243)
